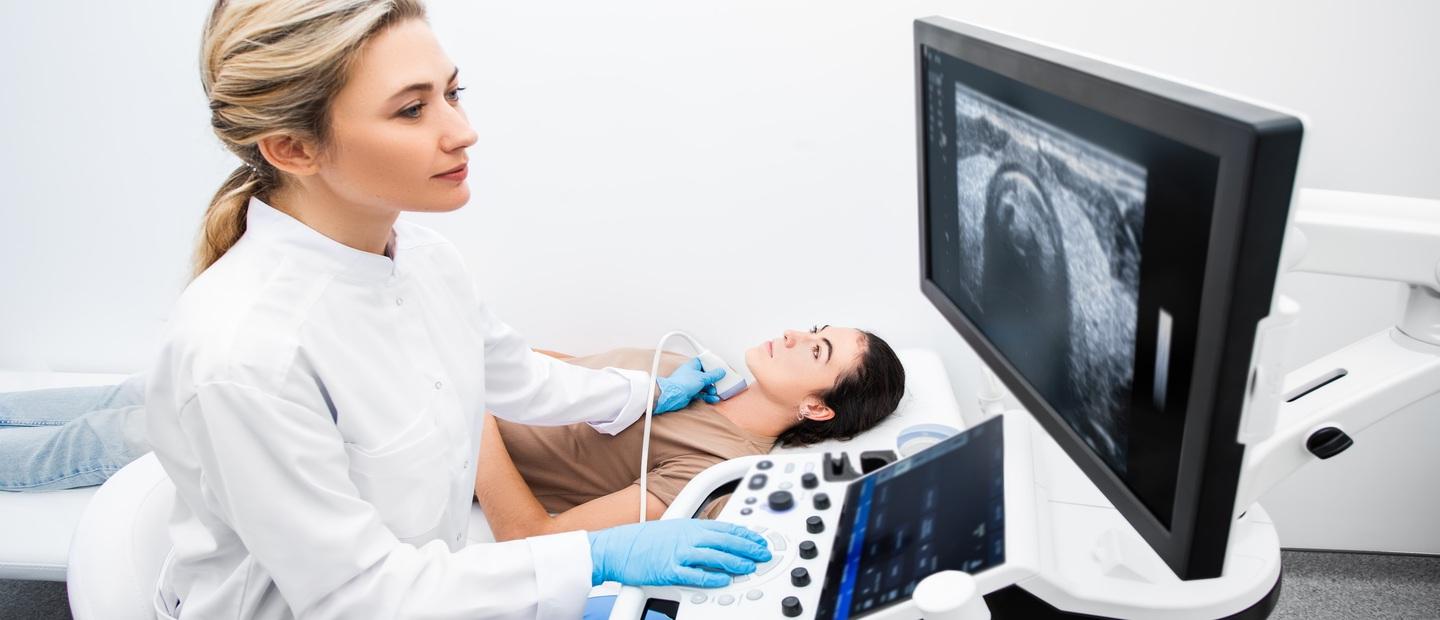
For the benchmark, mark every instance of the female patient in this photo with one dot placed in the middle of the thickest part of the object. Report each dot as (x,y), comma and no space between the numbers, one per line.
(829,383)
(832,383)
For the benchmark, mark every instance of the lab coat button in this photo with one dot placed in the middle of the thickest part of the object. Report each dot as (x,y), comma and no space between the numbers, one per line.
(399,301)
(439,385)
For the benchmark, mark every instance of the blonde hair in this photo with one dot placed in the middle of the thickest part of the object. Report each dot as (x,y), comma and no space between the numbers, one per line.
(273,67)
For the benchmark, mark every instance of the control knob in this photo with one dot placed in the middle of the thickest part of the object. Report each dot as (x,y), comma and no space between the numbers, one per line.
(800,577)
(808,551)
(790,607)
(781,501)
(814,525)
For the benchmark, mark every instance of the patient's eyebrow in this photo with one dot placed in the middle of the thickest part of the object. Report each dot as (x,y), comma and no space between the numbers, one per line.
(424,87)
(829,348)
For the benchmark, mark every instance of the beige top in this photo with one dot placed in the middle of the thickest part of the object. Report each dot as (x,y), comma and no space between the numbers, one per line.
(566,466)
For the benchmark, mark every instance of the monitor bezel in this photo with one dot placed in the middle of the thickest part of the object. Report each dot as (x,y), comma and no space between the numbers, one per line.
(1258,152)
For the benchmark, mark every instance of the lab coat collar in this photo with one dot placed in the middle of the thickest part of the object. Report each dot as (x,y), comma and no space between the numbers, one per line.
(269,223)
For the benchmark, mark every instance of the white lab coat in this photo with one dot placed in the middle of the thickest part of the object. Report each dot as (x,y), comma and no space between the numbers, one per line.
(318,409)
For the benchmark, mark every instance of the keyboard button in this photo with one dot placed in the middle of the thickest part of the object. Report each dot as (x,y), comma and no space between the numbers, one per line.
(777,542)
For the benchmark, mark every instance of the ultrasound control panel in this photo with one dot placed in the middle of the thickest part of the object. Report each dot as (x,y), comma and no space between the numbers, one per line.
(845,545)
(793,501)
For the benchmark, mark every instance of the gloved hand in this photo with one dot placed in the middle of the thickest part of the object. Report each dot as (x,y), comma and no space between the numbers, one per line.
(683,385)
(675,552)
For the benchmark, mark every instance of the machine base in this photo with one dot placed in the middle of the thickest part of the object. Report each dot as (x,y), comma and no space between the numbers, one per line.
(1013,602)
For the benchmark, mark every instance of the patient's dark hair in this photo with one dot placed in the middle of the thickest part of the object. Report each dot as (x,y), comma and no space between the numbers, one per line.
(861,398)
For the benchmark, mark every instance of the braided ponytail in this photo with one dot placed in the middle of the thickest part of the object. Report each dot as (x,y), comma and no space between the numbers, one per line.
(225,217)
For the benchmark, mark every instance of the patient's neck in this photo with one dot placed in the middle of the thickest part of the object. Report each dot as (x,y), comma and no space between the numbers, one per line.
(754,412)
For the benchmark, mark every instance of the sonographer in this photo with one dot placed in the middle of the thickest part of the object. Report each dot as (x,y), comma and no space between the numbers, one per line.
(318,401)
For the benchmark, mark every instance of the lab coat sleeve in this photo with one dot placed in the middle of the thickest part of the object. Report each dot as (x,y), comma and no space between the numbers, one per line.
(526,387)
(277,473)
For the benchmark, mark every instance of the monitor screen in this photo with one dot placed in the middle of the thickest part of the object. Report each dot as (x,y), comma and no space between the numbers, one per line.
(1039,234)
(915,517)
(1080,226)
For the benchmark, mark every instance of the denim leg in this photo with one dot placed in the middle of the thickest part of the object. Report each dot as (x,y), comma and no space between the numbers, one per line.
(84,451)
(56,406)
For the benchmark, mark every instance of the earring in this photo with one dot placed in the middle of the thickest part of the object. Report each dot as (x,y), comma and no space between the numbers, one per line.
(800,415)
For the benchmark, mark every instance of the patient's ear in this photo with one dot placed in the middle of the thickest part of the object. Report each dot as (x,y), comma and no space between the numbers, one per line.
(815,409)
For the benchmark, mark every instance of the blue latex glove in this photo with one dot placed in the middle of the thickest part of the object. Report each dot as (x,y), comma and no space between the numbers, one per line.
(675,552)
(683,385)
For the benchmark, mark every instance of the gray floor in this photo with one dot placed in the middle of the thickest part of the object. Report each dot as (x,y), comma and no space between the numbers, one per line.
(1315,586)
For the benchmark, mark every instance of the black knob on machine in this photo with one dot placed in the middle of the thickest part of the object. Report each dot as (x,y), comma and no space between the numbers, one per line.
(814,525)
(822,501)
(808,551)
(837,468)
(800,577)
(781,501)
(1327,442)
(809,481)
(790,606)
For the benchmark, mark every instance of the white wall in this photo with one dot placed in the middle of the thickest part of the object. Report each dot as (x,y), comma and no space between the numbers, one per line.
(732,168)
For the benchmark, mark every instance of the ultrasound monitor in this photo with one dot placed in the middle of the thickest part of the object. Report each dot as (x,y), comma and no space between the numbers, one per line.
(1106,240)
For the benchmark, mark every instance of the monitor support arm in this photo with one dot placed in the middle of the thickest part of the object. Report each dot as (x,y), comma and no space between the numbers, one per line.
(1311,413)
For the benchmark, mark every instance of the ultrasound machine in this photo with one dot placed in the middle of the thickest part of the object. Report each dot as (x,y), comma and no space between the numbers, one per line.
(1108,241)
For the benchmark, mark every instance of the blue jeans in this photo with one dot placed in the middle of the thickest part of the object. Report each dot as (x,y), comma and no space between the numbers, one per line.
(62,438)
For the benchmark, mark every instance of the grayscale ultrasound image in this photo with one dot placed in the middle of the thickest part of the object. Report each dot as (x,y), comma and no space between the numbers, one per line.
(1049,248)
